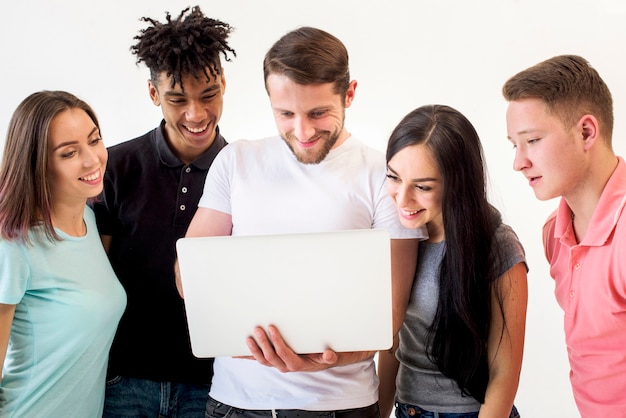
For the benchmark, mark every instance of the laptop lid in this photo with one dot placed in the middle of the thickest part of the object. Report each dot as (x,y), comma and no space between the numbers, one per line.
(321,290)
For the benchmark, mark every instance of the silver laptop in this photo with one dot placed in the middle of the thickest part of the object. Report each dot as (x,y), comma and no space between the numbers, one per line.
(321,290)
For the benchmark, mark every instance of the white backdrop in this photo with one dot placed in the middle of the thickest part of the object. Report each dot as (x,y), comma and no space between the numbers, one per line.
(404,53)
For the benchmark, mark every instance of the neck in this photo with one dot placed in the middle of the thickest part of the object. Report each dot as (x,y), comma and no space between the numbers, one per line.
(69,220)
(584,200)
(186,154)
(343,137)
(435,230)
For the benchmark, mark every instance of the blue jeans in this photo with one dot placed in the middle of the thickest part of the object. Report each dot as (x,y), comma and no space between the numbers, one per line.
(216,409)
(408,411)
(130,397)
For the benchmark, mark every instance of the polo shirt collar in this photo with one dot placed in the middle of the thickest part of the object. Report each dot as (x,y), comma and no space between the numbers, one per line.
(605,215)
(203,162)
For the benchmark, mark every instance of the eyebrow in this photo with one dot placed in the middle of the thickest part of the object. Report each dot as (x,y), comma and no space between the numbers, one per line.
(315,109)
(65,144)
(523,132)
(209,89)
(417,180)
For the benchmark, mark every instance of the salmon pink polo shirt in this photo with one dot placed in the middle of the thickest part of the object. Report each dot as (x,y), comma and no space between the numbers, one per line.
(590,287)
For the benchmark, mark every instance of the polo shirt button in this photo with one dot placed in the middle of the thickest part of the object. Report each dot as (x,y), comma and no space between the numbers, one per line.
(182,207)
(188,169)
(571,294)
(577,266)
(184,190)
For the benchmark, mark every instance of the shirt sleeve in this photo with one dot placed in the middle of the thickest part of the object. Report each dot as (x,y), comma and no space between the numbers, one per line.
(217,186)
(14,272)
(548,237)
(508,249)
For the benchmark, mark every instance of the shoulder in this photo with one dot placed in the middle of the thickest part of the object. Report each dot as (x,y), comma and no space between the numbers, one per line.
(128,158)
(9,248)
(549,228)
(505,236)
(507,248)
(358,158)
(131,147)
(504,233)
(258,144)
(15,270)
(251,148)
(365,151)
(14,255)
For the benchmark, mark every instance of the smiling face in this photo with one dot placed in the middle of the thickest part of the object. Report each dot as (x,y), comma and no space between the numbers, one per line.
(415,184)
(546,152)
(76,157)
(309,118)
(191,115)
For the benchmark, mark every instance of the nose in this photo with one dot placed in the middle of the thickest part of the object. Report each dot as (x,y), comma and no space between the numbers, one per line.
(521,160)
(195,111)
(303,129)
(403,195)
(91,156)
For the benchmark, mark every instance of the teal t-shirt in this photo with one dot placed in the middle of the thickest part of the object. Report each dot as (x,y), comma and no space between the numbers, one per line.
(68,305)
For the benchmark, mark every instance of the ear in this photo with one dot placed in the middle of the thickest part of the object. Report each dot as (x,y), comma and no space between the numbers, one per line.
(587,127)
(154,93)
(350,93)
(223,81)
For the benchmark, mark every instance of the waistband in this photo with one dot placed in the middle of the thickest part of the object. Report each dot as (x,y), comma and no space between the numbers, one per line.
(371,411)
(416,411)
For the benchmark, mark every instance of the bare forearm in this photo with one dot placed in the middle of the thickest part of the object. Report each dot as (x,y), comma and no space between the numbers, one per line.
(506,343)
(344,359)
(403,264)
(499,397)
(387,371)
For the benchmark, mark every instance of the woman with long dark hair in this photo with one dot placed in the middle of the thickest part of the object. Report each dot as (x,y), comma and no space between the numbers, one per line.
(461,343)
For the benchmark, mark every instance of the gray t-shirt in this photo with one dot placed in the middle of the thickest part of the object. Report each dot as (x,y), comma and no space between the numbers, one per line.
(419,381)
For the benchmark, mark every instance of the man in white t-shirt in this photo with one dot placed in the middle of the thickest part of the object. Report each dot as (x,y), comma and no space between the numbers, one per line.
(322,180)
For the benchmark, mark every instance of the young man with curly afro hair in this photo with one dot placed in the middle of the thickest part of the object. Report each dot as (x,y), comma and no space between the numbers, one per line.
(152,187)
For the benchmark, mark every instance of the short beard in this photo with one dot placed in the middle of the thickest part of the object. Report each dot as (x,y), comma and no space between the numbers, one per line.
(328,141)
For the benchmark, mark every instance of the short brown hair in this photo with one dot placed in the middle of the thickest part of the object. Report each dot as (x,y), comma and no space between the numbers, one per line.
(569,86)
(309,56)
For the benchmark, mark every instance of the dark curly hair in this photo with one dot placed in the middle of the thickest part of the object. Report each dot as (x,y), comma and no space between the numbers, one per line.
(187,45)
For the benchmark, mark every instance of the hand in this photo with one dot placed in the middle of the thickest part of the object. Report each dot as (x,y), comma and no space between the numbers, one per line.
(179,283)
(270,350)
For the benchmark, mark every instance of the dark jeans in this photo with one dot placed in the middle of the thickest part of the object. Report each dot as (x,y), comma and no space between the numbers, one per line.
(409,411)
(130,397)
(215,409)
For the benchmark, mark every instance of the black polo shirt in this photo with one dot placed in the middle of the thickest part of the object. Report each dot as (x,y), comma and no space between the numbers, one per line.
(149,199)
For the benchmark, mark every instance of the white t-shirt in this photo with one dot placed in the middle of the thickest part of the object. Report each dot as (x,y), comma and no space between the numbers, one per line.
(267,191)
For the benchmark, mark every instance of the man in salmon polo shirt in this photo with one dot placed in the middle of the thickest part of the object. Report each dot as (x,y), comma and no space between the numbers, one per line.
(560,120)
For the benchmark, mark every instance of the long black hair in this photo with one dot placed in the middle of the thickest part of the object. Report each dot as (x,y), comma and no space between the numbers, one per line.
(459,333)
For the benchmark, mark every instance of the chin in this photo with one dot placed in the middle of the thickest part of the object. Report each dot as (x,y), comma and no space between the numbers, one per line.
(410,224)
(544,196)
